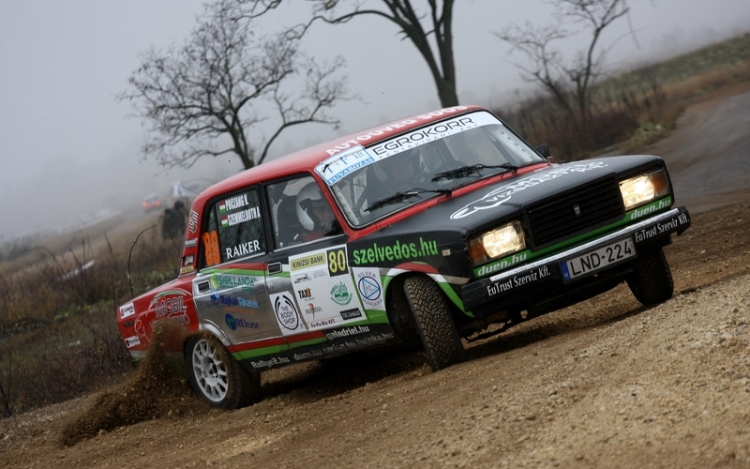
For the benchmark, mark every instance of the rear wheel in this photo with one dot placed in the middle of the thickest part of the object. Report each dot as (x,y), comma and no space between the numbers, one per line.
(217,377)
(651,280)
(437,330)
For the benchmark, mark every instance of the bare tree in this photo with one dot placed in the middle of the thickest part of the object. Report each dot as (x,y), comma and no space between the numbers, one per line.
(547,66)
(429,28)
(203,98)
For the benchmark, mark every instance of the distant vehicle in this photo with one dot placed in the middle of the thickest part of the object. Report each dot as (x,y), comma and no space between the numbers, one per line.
(152,202)
(420,232)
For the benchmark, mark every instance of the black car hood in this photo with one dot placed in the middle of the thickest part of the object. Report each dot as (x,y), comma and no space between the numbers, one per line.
(496,203)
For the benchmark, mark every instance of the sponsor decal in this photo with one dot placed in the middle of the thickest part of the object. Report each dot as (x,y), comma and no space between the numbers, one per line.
(340,294)
(304,294)
(370,289)
(502,264)
(390,128)
(132,341)
(662,228)
(301,278)
(324,322)
(244,249)
(519,280)
(234,323)
(231,301)
(186,269)
(395,251)
(503,194)
(236,218)
(350,314)
(268,363)
(307,355)
(649,209)
(172,305)
(431,133)
(193,221)
(308,261)
(226,281)
(347,332)
(320,273)
(312,309)
(333,169)
(191,243)
(127,310)
(286,312)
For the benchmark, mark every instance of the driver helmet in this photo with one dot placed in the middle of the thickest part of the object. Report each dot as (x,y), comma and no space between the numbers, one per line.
(308,198)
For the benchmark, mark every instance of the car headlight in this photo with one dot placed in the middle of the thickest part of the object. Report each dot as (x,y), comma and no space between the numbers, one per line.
(642,189)
(497,243)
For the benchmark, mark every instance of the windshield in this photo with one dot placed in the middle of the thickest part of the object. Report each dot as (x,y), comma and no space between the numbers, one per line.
(370,183)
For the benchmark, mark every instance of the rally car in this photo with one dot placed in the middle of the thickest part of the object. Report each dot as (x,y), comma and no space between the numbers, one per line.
(421,232)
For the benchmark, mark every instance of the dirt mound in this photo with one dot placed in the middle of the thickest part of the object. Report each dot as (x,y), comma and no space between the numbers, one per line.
(158,389)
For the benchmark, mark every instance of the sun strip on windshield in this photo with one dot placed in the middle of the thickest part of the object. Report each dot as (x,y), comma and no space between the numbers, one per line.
(341,164)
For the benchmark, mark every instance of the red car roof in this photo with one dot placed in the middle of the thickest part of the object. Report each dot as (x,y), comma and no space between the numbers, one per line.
(306,160)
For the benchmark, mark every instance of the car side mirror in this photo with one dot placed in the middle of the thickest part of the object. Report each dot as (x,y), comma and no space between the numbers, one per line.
(543,149)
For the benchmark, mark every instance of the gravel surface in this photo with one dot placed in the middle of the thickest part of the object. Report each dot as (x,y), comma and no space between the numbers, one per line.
(606,383)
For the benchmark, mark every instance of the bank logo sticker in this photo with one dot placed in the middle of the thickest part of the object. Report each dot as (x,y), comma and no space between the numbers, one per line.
(340,294)
(308,260)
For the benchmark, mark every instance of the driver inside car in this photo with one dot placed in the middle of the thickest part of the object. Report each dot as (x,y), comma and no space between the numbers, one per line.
(314,214)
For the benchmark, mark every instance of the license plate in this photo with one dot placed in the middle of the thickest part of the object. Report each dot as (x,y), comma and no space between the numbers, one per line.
(597,260)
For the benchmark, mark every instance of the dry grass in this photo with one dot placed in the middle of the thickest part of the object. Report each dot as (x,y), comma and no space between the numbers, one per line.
(637,108)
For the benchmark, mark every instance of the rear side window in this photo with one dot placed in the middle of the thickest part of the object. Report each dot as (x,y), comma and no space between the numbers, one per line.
(234,229)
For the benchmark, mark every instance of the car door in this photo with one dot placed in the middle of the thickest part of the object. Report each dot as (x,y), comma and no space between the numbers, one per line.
(310,284)
(230,290)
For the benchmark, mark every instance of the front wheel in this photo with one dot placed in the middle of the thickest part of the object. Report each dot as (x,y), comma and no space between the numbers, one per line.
(217,377)
(436,327)
(651,280)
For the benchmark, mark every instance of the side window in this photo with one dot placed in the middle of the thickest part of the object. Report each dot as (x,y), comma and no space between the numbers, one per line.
(234,229)
(300,212)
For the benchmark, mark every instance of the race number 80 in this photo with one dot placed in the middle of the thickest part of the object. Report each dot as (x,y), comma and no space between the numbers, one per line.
(337,264)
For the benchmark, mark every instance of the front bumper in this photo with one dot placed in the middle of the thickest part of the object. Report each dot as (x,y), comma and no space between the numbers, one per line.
(519,284)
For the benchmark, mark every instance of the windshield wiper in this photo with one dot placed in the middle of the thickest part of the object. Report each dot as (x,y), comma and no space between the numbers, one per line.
(401,196)
(465,170)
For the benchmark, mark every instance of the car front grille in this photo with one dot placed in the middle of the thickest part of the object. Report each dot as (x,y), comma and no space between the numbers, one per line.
(574,212)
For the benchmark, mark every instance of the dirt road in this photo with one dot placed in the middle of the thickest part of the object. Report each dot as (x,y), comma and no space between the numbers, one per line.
(606,383)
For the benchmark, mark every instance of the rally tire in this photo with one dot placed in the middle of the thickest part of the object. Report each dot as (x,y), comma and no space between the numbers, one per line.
(651,280)
(217,377)
(440,339)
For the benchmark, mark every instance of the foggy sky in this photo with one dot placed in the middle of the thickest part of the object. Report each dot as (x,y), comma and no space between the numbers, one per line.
(68,148)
